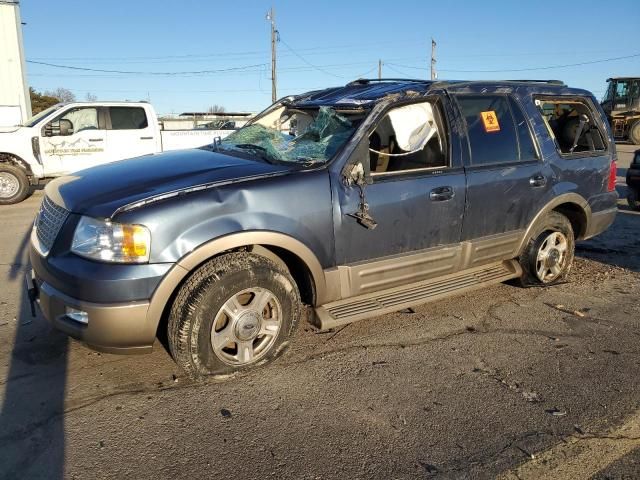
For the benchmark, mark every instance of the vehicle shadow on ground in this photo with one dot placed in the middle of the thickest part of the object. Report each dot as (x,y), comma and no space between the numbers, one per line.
(32,442)
(617,246)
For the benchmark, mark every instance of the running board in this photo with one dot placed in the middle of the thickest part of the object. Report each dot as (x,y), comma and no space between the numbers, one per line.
(369,305)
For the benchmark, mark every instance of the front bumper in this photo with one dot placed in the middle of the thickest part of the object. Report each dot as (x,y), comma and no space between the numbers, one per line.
(111,328)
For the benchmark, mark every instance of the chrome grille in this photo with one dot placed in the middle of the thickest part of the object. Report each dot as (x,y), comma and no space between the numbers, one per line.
(49,222)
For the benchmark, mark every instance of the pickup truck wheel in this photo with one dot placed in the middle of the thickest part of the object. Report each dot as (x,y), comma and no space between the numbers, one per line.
(633,198)
(14,184)
(235,312)
(548,256)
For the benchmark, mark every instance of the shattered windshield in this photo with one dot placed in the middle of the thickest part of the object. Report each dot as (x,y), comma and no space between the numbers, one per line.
(291,135)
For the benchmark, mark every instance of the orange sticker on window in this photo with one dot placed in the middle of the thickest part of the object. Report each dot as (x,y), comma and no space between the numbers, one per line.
(490,121)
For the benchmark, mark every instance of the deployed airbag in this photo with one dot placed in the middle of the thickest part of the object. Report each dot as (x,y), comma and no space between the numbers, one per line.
(414,125)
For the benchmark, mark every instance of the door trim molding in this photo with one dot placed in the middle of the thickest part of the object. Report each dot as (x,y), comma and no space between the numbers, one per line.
(361,278)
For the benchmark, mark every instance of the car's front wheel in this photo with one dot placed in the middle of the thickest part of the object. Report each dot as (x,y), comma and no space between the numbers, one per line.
(14,184)
(235,312)
(548,255)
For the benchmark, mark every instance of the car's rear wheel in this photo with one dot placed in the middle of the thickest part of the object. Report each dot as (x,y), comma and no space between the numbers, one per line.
(235,312)
(548,255)
(14,184)
(633,198)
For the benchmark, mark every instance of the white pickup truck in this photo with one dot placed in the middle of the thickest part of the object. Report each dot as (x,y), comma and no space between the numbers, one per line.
(73,136)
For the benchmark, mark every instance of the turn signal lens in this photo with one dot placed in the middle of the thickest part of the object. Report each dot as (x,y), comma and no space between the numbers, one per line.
(135,239)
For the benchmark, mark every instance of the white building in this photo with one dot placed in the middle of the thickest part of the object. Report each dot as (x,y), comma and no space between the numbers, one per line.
(15,104)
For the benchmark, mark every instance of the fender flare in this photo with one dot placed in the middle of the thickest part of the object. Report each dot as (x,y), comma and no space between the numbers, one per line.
(187,264)
(14,159)
(572,198)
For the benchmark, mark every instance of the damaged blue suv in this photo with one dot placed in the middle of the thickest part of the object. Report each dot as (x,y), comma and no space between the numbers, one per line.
(337,205)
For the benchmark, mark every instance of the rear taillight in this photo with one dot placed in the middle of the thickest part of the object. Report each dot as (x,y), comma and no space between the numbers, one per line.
(612,177)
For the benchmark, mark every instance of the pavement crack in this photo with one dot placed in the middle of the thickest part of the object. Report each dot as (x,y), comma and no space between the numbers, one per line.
(469,330)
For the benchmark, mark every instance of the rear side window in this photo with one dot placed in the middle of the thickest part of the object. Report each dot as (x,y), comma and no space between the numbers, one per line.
(571,123)
(128,118)
(491,129)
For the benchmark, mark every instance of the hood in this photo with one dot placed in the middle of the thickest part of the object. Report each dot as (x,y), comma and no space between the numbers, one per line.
(100,191)
(10,129)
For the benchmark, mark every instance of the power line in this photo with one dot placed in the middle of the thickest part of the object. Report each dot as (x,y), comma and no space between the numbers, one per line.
(390,66)
(145,90)
(528,69)
(238,70)
(316,67)
(100,70)
(306,50)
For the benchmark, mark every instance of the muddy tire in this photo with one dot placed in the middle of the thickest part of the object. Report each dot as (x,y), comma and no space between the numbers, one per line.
(633,198)
(234,313)
(14,184)
(634,132)
(548,255)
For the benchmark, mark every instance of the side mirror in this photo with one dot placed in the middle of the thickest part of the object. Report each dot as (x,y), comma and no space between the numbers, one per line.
(66,127)
(356,171)
(354,174)
(57,128)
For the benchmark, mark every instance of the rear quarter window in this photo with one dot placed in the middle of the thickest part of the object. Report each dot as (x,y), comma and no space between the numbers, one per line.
(571,122)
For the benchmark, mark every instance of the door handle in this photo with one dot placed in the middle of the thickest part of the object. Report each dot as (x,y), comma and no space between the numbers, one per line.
(538,181)
(96,139)
(441,194)
(146,138)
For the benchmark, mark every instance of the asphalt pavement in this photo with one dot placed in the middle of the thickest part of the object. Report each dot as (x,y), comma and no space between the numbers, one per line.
(502,383)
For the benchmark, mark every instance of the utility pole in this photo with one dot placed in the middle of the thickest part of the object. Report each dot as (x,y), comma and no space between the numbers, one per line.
(434,74)
(379,69)
(271,16)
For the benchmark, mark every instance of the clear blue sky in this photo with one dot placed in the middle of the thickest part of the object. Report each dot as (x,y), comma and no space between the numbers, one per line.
(343,39)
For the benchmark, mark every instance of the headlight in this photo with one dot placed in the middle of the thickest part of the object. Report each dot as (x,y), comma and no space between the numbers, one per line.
(111,242)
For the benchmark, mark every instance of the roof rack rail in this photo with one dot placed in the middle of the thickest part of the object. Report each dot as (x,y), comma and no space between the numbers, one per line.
(550,82)
(365,81)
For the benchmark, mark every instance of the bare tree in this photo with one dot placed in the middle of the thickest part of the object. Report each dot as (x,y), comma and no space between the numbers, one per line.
(216,109)
(62,94)
(90,97)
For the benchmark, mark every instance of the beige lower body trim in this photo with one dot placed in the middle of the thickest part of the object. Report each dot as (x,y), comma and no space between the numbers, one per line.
(361,278)
(374,304)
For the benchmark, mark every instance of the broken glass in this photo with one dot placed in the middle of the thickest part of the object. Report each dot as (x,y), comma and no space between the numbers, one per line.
(317,141)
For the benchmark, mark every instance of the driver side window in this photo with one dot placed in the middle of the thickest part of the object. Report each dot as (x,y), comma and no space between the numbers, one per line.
(407,138)
(82,118)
